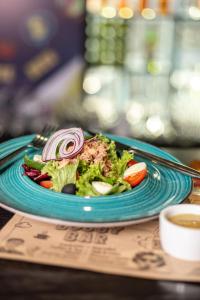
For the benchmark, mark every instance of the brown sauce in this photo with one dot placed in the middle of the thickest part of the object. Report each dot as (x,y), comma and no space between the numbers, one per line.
(186,220)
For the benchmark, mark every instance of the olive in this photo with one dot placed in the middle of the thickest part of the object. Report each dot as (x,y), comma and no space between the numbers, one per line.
(119,153)
(69,189)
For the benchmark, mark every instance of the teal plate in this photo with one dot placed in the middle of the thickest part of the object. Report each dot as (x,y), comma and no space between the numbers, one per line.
(162,187)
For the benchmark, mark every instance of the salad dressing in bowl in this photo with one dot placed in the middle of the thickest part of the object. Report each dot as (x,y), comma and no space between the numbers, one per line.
(180,231)
(186,220)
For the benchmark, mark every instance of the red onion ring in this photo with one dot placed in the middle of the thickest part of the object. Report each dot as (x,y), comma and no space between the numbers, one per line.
(63,137)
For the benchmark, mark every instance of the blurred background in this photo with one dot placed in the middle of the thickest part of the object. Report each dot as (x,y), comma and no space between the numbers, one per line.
(130,67)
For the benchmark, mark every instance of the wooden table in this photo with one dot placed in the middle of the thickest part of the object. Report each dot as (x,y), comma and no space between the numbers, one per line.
(20,280)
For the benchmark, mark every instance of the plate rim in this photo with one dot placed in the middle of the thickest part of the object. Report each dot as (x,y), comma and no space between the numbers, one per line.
(88,223)
(79,224)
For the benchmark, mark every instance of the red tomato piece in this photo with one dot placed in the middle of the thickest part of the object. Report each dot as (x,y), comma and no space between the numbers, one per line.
(131,163)
(137,178)
(135,173)
(46,184)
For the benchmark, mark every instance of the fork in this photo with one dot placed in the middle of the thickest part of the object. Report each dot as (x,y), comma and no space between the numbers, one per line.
(37,142)
(156,159)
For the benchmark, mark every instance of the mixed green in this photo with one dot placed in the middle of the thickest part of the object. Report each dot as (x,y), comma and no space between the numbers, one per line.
(98,169)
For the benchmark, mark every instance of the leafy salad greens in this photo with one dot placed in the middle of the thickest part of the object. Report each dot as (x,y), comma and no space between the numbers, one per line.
(97,162)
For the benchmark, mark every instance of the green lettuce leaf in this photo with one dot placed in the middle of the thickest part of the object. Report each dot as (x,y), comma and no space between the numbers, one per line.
(120,187)
(84,186)
(89,173)
(60,176)
(94,173)
(122,162)
(83,166)
(103,138)
(33,164)
(119,165)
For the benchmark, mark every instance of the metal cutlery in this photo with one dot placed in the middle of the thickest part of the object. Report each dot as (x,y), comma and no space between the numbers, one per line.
(37,142)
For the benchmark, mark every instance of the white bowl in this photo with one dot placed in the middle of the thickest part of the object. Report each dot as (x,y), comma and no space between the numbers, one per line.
(178,241)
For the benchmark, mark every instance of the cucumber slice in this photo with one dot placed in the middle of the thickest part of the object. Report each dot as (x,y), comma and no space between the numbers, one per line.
(102,187)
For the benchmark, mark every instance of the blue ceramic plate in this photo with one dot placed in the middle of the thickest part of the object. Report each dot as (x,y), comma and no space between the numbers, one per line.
(161,188)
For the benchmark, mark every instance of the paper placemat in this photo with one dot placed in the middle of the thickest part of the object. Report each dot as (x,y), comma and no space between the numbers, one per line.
(133,251)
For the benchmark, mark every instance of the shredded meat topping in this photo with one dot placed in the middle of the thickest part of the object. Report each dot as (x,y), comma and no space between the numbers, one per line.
(94,151)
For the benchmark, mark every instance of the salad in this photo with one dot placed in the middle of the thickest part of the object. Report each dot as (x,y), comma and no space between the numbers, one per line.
(85,166)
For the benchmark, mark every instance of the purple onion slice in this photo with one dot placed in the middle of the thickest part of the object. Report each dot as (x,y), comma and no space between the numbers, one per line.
(66,143)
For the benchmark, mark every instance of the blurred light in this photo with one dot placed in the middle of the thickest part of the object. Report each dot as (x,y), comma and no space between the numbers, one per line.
(92,57)
(111,31)
(92,44)
(108,12)
(194,12)
(187,119)
(91,85)
(104,44)
(92,29)
(120,32)
(119,45)
(108,32)
(153,67)
(185,79)
(180,78)
(89,103)
(93,6)
(195,82)
(155,125)
(7,73)
(126,12)
(103,107)
(107,57)
(138,130)
(41,64)
(37,28)
(120,58)
(135,113)
(148,13)
(197,67)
